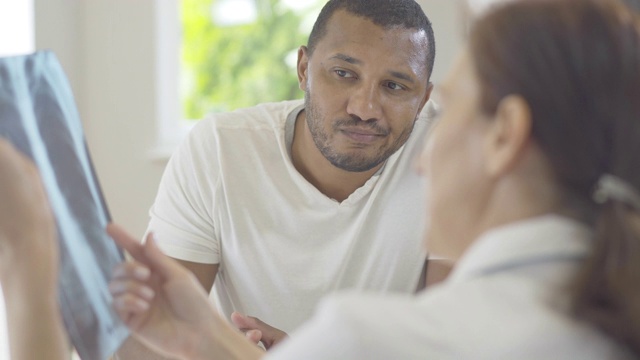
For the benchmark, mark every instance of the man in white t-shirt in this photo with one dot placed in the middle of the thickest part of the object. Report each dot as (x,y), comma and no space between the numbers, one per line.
(277,205)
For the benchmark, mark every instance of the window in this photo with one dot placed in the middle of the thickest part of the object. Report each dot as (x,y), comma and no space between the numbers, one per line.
(238,53)
(16,27)
(16,37)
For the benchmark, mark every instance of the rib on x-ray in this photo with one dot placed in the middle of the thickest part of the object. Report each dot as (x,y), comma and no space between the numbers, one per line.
(39,117)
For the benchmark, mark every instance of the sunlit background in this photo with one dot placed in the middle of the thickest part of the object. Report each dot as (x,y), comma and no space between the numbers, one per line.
(237,53)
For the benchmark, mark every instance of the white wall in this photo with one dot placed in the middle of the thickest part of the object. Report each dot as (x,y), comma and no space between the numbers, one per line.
(108,49)
(447,19)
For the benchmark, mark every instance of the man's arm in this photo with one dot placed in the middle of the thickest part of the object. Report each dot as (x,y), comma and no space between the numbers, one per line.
(205,273)
(433,272)
(132,349)
(438,270)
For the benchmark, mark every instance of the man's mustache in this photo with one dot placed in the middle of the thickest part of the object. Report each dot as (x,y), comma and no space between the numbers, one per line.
(356,122)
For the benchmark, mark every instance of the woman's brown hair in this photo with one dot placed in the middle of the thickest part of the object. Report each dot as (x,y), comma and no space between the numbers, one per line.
(577,64)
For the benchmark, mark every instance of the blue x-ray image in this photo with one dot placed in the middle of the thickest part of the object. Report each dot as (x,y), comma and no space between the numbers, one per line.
(38,115)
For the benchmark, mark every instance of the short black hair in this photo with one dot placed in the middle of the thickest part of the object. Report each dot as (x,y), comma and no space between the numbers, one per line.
(385,13)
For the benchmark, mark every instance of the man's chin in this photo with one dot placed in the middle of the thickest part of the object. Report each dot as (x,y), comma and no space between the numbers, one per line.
(354,164)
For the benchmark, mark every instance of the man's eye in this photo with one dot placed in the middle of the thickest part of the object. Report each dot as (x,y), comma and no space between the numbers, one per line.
(343,73)
(394,86)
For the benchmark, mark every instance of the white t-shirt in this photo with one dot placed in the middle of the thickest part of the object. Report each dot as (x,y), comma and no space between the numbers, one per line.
(506,299)
(231,196)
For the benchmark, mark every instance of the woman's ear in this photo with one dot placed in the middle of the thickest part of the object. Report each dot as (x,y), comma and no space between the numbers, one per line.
(508,136)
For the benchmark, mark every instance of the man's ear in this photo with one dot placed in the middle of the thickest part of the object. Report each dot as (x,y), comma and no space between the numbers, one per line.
(426,98)
(303,67)
(509,135)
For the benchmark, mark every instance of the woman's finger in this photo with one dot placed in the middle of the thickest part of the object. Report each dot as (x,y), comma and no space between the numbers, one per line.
(133,288)
(127,242)
(131,270)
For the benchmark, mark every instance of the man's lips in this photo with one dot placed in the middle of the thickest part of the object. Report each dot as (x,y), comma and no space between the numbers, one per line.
(362,135)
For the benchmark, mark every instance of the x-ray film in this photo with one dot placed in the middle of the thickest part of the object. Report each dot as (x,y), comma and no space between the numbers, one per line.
(38,115)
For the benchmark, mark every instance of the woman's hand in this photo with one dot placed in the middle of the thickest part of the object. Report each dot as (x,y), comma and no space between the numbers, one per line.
(28,246)
(159,300)
(166,307)
(28,261)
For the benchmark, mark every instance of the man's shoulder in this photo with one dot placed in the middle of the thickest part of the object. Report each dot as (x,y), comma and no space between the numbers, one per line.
(258,127)
(429,114)
(425,121)
(262,115)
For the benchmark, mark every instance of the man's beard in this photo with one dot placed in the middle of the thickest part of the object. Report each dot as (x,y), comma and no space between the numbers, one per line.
(348,162)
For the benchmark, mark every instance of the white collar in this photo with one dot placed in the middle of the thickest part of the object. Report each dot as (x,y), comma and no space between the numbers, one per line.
(539,239)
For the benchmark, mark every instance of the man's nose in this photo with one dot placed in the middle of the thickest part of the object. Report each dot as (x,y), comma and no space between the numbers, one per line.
(364,102)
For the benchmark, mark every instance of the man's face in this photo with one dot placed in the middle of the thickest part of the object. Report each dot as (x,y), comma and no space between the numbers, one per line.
(364,87)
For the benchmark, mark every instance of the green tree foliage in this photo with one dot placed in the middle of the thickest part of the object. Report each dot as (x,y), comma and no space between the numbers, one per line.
(225,68)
